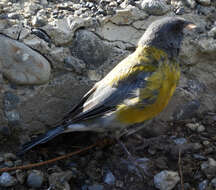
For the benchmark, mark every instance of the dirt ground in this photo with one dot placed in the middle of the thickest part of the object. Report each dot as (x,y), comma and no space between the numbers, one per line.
(162,151)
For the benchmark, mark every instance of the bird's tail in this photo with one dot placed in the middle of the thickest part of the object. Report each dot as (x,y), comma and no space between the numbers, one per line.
(42,139)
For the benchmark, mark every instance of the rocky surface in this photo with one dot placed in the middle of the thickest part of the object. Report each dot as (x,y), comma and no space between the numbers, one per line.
(52,52)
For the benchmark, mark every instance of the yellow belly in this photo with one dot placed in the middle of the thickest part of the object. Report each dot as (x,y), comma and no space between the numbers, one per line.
(165,80)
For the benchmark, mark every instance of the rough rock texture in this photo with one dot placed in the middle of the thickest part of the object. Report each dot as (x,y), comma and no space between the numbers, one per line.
(44,71)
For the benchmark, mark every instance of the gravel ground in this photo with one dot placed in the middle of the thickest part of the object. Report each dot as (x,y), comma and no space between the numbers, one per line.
(110,168)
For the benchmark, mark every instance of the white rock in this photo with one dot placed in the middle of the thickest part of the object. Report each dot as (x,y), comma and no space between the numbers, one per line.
(6,180)
(155,7)
(166,180)
(22,65)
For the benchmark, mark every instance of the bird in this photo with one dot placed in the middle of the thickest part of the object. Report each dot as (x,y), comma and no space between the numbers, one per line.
(135,91)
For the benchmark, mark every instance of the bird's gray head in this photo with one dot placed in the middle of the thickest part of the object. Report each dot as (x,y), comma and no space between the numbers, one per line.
(166,34)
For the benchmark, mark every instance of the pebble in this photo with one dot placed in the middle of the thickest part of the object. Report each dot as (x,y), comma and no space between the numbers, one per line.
(6,180)
(119,183)
(59,180)
(209,168)
(21,176)
(203,185)
(200,128)
(9,164)
(212,33)
(1,159)
(180,141)
(109,178)
(155,7)
(179,11)
(10,101)
(204,2)
(196,127)
(206,143)
(96,187)
(192,126)
(35,179)
(9,156)
(166,180)
(38,21)
(199,157)
(213,182)
(191,3)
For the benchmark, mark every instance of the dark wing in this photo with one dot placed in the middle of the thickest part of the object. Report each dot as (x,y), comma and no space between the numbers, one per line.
(106,98)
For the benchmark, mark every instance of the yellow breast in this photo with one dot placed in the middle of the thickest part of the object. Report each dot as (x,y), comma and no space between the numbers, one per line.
(164,80)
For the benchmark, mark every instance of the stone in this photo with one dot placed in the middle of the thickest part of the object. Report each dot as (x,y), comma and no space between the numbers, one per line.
(204,2)
(21,64)
(21,176)
(109,178)
(10,101)
(73,64)
(6,180)
(95,187)
(60,180)
(191,3)
(166,180)
(200,128)
(93,53)
(212,32)
(35,179)
(155,7)
(209,167)
(180,141)
(213,182)
(203,185)
(38,21)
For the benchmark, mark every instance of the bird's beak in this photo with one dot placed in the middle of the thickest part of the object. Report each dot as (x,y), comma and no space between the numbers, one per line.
(190,25)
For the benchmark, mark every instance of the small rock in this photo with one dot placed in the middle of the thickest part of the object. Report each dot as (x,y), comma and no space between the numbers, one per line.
(6,180)
(35,179)
(212,32)
(119,183)
(8,164)
(179,11)
(203,185)
(180,141)
(18,162)
(206,143)
(191,3)
(155,7)
(213,182)
(13,117)
(10,101)
(192,126)
(199,157)
(9,156)
(166,180)
(60,180)
(13,15)
(74,64)
(96,187)
(109,178)
(200,128)
(209,167)
(21,176)
(204,2)
(1,159)
(38,21)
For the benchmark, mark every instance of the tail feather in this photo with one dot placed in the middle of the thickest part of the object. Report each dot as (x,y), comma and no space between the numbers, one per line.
(41,139)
